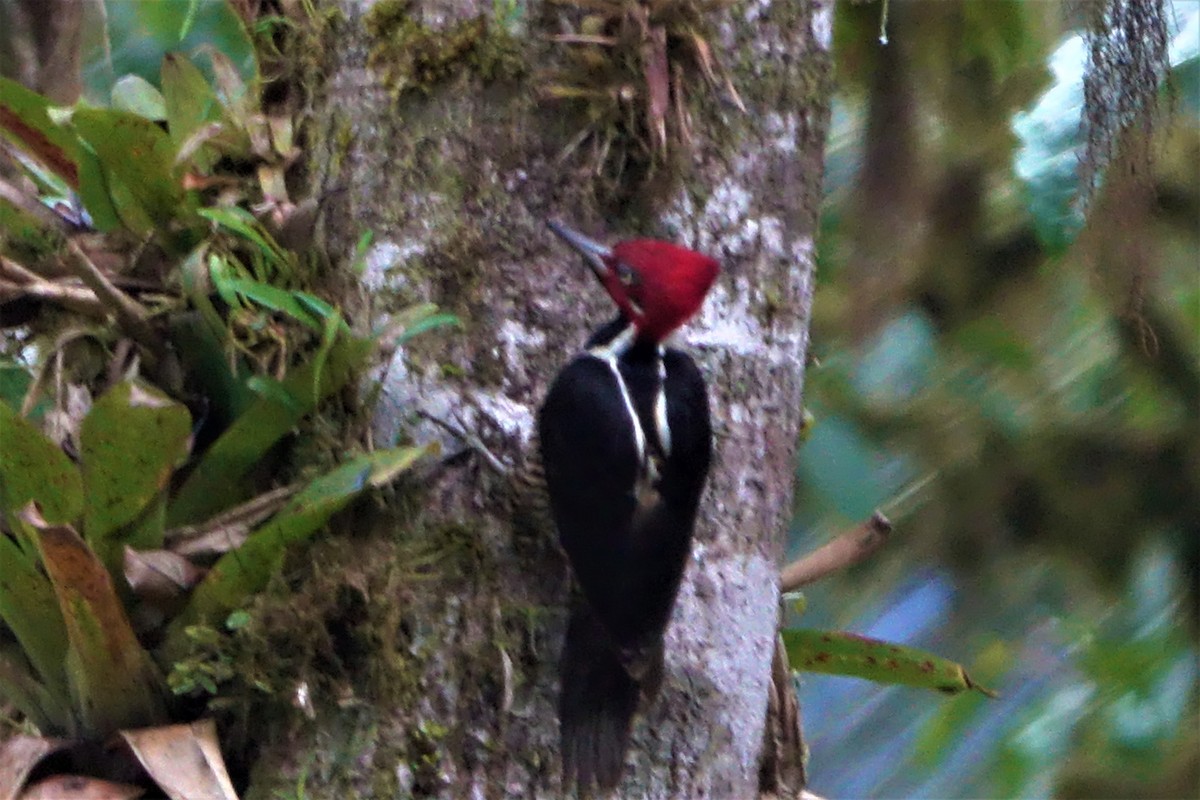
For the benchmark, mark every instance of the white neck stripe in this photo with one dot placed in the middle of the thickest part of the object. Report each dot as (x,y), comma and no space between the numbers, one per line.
(617,346)
(609,353)
(660,406)
(639,436)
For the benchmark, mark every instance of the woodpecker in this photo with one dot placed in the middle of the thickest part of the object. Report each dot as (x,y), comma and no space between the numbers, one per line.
(625,443)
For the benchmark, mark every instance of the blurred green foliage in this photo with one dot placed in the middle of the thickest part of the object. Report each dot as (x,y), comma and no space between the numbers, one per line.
(1017,386)
(132,36)
(131,520)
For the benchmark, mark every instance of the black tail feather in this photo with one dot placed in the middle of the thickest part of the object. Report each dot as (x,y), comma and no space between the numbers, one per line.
(596,706)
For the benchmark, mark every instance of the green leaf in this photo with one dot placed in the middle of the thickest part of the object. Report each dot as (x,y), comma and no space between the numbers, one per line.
(15,381)
(130,443)
(274,390)
(137,95)
(231,86)
(837,653)
(112,679)
(218,481)
(328,338)
(136,151)
(432,322)
(316,305)
(358,264)
(129,209)
(205,359)
(24,121)
(190,103)
(222,272)
(94,191)
(246,570)
(34,468)
(47,710)
(415,320)
(28,608)
(137,35)
(276,299)
(189,19)
(242,222)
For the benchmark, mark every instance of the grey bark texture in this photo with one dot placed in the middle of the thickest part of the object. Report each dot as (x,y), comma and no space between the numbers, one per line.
(456,184)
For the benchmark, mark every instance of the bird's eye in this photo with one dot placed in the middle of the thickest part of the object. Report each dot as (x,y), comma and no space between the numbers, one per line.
(627,274)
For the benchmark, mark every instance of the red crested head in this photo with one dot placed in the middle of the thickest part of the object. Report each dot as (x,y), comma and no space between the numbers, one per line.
(657,285)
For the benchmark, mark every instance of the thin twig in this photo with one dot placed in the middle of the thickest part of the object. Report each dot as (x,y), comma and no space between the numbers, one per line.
(79,299)
(472,442)
(25,282)
(131,315)
(845,551)
(18,272)
(582,38)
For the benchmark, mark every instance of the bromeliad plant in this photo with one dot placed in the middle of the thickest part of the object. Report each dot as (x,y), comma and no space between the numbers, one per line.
(92,569)
(89,551)
(127,525)
(162,176)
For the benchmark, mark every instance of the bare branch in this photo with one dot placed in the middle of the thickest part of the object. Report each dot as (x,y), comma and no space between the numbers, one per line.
(20,281)
(846,550)
(131,315)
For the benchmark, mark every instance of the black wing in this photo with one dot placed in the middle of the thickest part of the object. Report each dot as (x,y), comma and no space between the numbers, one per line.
(629,572)
(590,463)
(664,536)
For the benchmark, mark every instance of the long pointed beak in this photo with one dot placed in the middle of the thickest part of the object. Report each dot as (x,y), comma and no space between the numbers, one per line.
(594,252)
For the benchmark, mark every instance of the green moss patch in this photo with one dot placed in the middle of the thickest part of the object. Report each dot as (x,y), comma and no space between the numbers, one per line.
(413,56)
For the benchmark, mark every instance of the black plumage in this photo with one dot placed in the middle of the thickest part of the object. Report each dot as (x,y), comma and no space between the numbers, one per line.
(624,506)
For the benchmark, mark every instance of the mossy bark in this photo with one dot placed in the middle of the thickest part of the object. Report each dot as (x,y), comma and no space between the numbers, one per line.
(455,174)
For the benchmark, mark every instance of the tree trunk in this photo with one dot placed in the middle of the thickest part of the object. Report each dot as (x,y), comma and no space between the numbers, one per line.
(456,179)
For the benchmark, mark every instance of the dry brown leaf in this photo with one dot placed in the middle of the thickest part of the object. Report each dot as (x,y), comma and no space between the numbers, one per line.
(282,138)
(159,575)
(656,72)
(185,760)
(683,119)
(205,133)
(215,542)
(228,530)
(18,756)
(710,66)
(113,679)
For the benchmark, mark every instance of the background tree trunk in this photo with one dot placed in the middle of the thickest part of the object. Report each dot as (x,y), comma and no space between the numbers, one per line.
(456,184)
